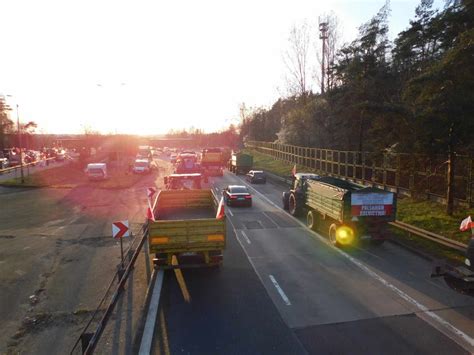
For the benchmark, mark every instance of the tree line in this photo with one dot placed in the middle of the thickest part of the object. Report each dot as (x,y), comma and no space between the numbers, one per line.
(8,127)
(225,138)
(414,94)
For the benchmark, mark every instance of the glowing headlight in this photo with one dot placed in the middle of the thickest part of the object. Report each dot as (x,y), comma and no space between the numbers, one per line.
(344,235)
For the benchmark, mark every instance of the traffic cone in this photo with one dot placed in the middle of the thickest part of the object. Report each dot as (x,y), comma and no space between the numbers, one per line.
(220,210)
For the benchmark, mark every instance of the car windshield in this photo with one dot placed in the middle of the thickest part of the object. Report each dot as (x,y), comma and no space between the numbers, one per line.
(238,190)
(259,174)
(141,164)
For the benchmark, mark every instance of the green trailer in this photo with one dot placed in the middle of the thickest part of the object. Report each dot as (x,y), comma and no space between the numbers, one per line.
(346,211)
(186,227)
(240,163)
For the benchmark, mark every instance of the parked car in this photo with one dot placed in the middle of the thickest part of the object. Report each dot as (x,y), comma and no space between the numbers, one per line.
(173,158)
(97,171)
(4,163)
(256,176)
(60,155)
(237,195)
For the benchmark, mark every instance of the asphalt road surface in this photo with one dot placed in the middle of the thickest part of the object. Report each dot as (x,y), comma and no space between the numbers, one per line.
(283,289)
(57,258)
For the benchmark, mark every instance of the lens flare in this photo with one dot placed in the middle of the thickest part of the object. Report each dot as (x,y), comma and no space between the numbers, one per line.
(344,235)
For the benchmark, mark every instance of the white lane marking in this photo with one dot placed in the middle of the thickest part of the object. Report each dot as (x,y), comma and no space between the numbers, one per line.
(245,236)
(280,291)
(148,332)
(368,252)
(230,212)
(455,334)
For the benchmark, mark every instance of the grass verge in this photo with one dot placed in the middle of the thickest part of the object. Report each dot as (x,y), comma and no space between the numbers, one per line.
(427,215)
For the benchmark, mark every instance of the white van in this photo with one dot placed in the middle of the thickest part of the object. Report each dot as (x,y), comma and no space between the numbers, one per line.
(97,171)
(142,166)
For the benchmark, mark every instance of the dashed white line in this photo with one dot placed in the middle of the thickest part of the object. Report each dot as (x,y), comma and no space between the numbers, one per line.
(230,212)
(245,237)
(280,291)
(430,317)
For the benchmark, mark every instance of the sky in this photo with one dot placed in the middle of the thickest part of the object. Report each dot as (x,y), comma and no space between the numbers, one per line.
(145,67)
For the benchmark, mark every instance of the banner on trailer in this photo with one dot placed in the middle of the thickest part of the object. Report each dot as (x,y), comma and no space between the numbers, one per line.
(371,204)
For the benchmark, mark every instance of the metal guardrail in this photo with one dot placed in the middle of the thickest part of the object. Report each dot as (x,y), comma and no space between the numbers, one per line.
(439,239)
(436,238)
(88,340)
(17,167)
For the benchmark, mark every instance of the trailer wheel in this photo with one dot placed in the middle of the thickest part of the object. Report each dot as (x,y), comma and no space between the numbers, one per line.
(293,207)
(332,235)
(312,220)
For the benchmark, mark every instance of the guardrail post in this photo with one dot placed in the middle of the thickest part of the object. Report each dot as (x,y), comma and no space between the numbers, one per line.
(469,182)
(373,176)
(362,166)
(85,340)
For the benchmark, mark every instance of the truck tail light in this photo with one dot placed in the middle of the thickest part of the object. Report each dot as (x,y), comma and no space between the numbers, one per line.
(248,196)
(160,240)
(215,238)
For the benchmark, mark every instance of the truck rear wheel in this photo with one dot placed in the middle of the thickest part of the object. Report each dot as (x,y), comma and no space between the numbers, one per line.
(332,235)
(285,199)
(312,220)
(293,207)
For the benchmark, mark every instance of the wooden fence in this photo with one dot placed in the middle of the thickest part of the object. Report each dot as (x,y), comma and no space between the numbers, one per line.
(409,174)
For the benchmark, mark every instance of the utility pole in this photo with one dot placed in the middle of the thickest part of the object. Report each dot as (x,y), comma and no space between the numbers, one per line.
(323,28)
(19,143)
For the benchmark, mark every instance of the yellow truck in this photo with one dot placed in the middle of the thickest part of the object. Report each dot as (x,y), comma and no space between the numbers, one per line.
(186,226)
(212,162)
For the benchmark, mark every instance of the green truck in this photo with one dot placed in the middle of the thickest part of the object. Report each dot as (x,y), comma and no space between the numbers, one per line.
(186,227)
(240,163)
(346,211)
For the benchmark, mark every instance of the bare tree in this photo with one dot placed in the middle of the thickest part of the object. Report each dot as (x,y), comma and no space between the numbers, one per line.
(296,59)
(332,45)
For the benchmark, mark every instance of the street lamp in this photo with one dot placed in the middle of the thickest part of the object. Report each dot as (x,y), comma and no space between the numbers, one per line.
(19,141)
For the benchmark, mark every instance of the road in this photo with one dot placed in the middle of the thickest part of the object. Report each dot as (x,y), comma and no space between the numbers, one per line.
(284,289)
(57,258)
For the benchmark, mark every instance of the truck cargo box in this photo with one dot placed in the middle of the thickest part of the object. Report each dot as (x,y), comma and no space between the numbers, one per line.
(240,163)
(186,225)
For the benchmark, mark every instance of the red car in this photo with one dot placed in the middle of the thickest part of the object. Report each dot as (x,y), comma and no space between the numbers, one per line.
(237,195)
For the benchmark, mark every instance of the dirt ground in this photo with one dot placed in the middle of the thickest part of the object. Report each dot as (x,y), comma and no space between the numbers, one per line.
(57,257)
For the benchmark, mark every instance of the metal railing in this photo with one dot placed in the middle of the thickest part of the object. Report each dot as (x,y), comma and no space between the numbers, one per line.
(26,165)
(438,239)
(89,340)
(403,173)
